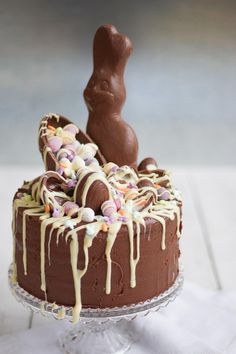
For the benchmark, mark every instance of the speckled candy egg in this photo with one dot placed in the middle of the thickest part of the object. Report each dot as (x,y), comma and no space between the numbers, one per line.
(88,215)
(163,194)
(108,208)
(71,209)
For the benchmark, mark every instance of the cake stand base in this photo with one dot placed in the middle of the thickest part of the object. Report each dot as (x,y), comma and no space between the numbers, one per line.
(105,339)
(100,331)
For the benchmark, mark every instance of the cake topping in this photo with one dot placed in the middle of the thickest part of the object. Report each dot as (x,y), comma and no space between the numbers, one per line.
(105,95)
(148,164)
(91,184)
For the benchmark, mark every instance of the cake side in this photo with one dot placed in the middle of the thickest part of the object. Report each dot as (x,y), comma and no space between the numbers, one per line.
(125,253)
(156,269)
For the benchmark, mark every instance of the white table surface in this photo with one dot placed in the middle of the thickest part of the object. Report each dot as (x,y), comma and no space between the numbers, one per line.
(208,242)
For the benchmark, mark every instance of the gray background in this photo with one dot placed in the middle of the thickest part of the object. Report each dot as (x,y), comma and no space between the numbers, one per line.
(180,80)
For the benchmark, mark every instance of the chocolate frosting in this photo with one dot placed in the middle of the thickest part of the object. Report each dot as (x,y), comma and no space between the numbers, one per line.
(105,95)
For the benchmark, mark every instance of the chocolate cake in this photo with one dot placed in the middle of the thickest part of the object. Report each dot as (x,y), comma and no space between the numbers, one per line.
(96,229)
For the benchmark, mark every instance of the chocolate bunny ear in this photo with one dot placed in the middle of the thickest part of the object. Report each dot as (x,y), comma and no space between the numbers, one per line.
(110,48)
(52,122)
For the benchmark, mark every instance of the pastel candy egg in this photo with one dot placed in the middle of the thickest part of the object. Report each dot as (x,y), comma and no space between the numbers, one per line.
(87,151)
(59,131)
(76,144)
(77,163)
(73,129)
(55,143)
(71,209)
(94,165)
(65,162)
(163,194)
(56,213)
(67,137)
(61,154)
(110,167)
(88,215)
(108,208)
(70,147)
(118,203)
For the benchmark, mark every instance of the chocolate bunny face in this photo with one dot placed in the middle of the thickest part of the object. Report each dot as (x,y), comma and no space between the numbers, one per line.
(105,91)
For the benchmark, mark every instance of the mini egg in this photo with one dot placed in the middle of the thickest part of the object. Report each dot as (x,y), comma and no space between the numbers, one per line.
(67,137)
(71,209)
(108,208)
(163,194)
(110,167)
(88,215)
(87,151)
(73,129)
(55,143)
(77,163)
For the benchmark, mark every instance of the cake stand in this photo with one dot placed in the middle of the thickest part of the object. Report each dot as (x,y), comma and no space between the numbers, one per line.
(100,331)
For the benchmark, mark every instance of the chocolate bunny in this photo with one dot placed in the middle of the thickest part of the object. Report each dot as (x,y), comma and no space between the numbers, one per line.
(105,95)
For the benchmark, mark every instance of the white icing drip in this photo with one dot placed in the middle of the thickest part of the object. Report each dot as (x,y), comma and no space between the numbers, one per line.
(49,197)
(163,223)
(136,260)
(56,225)
(111,237)
(45,221)
(77,273)
(16,204)
(132,264)
(45,152)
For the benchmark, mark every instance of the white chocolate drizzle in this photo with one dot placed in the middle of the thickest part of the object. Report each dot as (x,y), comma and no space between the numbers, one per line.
(77,273)
(111,237)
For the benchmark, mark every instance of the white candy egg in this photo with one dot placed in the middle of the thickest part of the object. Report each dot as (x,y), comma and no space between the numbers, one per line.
(88,215)
(87,151)
(76,144)
(71,128)
(77,163)
(67,137)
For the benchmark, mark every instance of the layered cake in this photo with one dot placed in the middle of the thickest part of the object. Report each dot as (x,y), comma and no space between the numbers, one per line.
(97,229)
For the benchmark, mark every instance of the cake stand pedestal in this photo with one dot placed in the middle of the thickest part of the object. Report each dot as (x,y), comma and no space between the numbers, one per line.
(100,331)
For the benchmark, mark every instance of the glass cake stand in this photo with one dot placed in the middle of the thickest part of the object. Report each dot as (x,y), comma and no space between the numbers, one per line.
(100,331)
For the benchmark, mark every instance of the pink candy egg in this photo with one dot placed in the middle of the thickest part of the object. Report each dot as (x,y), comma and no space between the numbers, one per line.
(71,209)
(108,208)
(118,203)
(55,143)
(69,147)
(71,128)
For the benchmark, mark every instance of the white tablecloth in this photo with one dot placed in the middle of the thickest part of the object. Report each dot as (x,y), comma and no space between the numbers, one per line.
(200,321)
